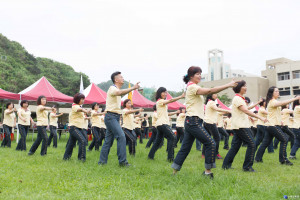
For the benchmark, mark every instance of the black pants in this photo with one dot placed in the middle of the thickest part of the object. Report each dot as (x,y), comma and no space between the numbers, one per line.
(212,129)
(138,132)
(261,130)
(241,135)
(131,140)
(273,131)
(22,142)
(180,135)
(96,138)
(290,133)
(146,132)
(164,130)
(41,137)
(76,134)
(194,129)
(153,137)
(102,135)
(223,132)
(53,134)
(7,140)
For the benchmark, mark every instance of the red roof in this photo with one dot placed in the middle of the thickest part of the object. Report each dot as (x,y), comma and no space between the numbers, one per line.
(222,105)
(44,87)
(94,94)
(175,105)
(8,95)
(139,101)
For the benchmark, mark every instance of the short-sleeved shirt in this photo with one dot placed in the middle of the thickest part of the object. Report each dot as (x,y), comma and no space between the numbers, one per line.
(180,120)
(239,119)
(85,123)
(113,102)
(162,113)
(220,120)
(194,102)
(285,117)
(42,116)
(76,118)
(53,119)
(147,123)
(228,123)
(102,124)
(137,122)
(296,117)
(26,114)
(9,119)
(210,112)
(154,119)
(95,119)
(274,113)
(128,120)
(261,114)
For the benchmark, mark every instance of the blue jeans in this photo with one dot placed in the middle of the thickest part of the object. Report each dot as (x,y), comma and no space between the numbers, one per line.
(41,137)
(113,130)
(241,135)
(198,145)
(223,132)
(194,129)
(146,132)
(53,134)
(6,140)
(96,139)
(260,136)
(22,142)
(296,145)
(212,129)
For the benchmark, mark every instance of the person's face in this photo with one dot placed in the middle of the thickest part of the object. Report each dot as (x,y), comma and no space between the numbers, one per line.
(119,79)
(196,78)
(183,110)
(128,104)
(276,93)
(96,107)
(244,89)
(163,95)
(54,110)
(25,105)
(214,96)
(43,101)
(11,106)
(81,101)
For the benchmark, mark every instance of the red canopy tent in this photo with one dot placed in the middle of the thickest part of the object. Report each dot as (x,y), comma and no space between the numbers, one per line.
(8,95)
(44,87)
(139,101)
(94,94)
(223,106)
(175,105)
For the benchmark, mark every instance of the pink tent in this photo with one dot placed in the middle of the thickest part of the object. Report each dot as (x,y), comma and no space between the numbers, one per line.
(44,87)
(8,95)
(94,94)
(223,106)
(139,101)
(175,105)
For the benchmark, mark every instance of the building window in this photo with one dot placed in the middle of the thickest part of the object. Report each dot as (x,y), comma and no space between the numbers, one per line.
(271,67)
(296,92)
(284,92)
(296,74)
(296,87)
(283,76)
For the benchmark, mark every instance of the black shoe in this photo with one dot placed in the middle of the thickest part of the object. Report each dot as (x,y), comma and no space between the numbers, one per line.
(150,158)
(125,164)
(249,170)
(101,164)
(229,167)
(287,162)
(211,175)
(147,147)
(227,148)
(30,153)
(258,161)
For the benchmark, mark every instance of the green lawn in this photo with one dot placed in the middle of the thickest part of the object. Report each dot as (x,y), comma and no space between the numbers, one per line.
(49,177)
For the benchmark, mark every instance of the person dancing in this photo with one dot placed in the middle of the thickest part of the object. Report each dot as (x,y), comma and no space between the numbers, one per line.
(9,122)
(53,127)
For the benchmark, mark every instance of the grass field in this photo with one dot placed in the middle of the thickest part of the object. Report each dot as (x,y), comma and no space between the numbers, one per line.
(49,177)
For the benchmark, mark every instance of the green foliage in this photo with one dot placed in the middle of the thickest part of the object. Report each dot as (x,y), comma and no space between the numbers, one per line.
(105,85)
(20,69)
(225,99)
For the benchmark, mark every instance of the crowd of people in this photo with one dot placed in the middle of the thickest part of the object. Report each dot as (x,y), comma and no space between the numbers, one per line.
(202,119)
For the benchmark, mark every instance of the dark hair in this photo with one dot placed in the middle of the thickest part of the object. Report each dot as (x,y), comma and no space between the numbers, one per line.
(217,105)
(9,103)
(125,102)
(247,99)
(114,75)
(262,103)
(255,112)
(240,84)
(296,103)
(39,100)
(285,106)
(154,107)
(180,109)
(229,115)
(77,97)
(145,114)
(94,105)
(209,97)
(270,95)
(190,73)
(103,109)
(22,102)
(159,91)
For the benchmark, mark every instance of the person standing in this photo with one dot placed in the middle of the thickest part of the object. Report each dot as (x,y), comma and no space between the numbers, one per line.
(96,125)
(180,125)
(9,122)
(296,129)
(53,127)
(153,128)
(102,127)
(145,125)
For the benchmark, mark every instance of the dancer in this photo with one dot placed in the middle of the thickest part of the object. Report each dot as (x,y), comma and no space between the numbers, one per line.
(153,128)
(9,122)
(53,127)
(102,127)
(180,125)
(145,125)
(285,114)
(296,129)
(138,125)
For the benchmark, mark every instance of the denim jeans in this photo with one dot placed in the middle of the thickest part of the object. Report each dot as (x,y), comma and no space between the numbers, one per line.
(212,129)
(273,131)
(102,135)
(163,131)
(223,132)
(113,130)
(22,142)
(139,133)
(146,132)
(198,145)
(194,129)
(153,137)
(7,140)
(241,135)
(180,135)
(290,133)
(41,137)
(76,134)
(261,130)
(96,139)
(296,145)
(131,140)
(53,134)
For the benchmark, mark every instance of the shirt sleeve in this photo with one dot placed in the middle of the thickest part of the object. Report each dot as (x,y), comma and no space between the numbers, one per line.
(194,89)
(238,102)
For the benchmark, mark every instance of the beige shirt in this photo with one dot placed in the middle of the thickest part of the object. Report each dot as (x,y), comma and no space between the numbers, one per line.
(285,117)
(147,123)
(102,123)
(228,123)
(274,113)
(220,120)
(42,116)
(85,122)
(180,120)
(194,103)
(260,113)
(162,113)
(154,119)
(26,115)
(95,119)
(137,122)
(297,117)
(9,119)
(53,120)
(76,118)
(113,102)
(239,119)
(128,120)
(211,113)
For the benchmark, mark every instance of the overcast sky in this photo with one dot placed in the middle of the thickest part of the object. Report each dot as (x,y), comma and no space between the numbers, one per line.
(153,41)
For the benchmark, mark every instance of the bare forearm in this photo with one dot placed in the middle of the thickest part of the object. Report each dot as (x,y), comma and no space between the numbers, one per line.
(124,91)
(282,103)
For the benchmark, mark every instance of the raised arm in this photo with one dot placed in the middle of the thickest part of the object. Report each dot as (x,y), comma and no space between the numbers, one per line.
(11,111)
(253,106)
(282,103)
(173,99)
(133,111)
(206,91)
(173,113)
(121,92)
